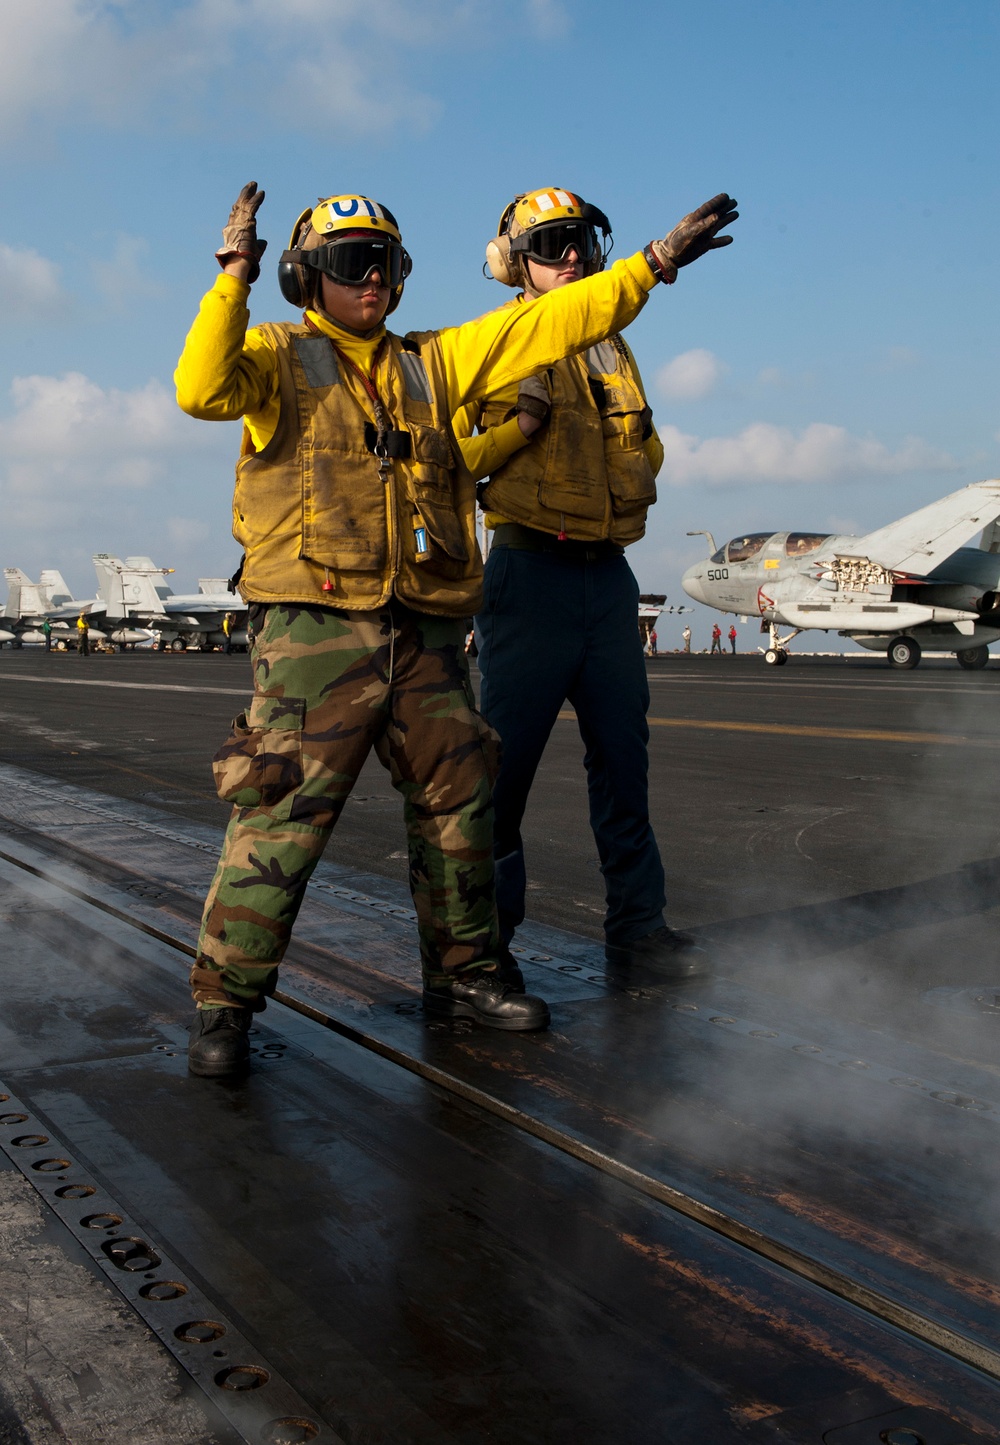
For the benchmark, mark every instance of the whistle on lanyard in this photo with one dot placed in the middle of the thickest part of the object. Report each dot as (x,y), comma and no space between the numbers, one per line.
(420,544)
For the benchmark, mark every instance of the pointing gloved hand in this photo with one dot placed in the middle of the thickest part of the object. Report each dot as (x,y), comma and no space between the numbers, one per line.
(692,237)
(533,405)
(239,236)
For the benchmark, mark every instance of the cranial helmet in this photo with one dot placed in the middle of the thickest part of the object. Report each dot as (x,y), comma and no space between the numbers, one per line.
(543,225)
(345,237)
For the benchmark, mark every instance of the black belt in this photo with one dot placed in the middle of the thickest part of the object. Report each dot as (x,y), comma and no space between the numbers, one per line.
(528,539)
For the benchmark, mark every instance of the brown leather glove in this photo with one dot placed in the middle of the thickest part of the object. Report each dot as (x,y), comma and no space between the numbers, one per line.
(533,397)
(693,236)
(239,236)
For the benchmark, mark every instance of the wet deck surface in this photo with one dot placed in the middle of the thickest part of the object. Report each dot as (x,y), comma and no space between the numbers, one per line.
(431,1234)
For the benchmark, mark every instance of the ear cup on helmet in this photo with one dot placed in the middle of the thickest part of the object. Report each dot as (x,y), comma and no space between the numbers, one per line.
(503,267)
(293,280)
(499,260)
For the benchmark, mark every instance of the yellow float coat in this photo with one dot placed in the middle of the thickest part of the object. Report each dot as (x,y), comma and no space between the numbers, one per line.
(590,471)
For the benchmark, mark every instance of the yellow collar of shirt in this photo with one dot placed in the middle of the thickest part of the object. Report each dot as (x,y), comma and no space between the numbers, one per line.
(361,349)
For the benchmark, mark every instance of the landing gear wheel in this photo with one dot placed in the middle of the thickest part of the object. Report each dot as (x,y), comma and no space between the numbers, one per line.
(776,656)
(903,652)
(973,658)
(177,645)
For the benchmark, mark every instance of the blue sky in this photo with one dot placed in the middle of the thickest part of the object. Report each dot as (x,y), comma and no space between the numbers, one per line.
(834,368)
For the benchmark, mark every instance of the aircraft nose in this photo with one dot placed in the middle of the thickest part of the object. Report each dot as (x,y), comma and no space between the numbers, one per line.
(693,582)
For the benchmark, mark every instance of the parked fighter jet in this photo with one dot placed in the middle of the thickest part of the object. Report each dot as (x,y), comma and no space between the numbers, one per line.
(135,590)
(909,585)
(133,601)
(29,603)
(36,599)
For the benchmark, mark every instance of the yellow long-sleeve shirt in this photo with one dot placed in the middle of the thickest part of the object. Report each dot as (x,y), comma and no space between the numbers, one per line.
(226,371)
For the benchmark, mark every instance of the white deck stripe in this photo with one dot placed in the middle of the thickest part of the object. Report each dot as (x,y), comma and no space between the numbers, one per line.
(143,686)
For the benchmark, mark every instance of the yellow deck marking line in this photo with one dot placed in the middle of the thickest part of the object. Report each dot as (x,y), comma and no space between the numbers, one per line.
(793,730)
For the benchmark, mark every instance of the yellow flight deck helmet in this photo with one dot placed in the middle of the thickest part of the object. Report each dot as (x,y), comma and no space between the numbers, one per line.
(347,238)
(545,225)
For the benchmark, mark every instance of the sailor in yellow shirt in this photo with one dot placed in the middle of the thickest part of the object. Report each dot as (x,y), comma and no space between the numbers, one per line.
(571,455)
(357,518)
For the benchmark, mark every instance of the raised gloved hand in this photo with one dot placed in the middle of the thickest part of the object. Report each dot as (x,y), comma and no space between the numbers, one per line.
(533,405)
(239,235)
(692,237)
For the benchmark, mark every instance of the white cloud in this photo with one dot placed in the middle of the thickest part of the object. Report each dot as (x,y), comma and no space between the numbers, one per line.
(72,448)
(690,376)
(330,60)
(766,453)
(29,284)
(57,418)
(37,59)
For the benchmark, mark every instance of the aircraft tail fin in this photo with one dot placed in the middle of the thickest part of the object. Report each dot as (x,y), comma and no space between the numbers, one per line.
(212,586)
(54,587)
(127,590)
(24,597)
(924,539)
(16,580)
(146,564)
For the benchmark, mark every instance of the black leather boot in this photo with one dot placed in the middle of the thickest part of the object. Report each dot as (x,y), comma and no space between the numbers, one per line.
(509,970)
(488,999)
(219,1043)
(666,952)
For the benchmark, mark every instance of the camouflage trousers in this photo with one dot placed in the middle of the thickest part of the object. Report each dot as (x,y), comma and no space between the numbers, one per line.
(330,685)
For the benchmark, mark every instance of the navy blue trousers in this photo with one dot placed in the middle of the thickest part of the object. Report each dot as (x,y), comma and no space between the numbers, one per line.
(553,629)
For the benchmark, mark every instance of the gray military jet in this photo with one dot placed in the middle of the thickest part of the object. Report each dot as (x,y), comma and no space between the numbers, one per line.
(136,591)
(133,602)
(908,586)
(29,603)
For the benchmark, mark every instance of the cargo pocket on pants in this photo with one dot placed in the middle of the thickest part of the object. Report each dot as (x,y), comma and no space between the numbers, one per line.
(260,763)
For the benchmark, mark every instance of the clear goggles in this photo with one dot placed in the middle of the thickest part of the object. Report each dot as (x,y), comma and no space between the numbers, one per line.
(553,242)
(355,259)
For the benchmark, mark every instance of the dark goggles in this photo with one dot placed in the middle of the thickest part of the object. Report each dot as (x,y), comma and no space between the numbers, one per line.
(353,260)
(553,242)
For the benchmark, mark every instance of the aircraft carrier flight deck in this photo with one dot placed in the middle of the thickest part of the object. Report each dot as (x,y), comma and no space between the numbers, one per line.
(755,1208)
